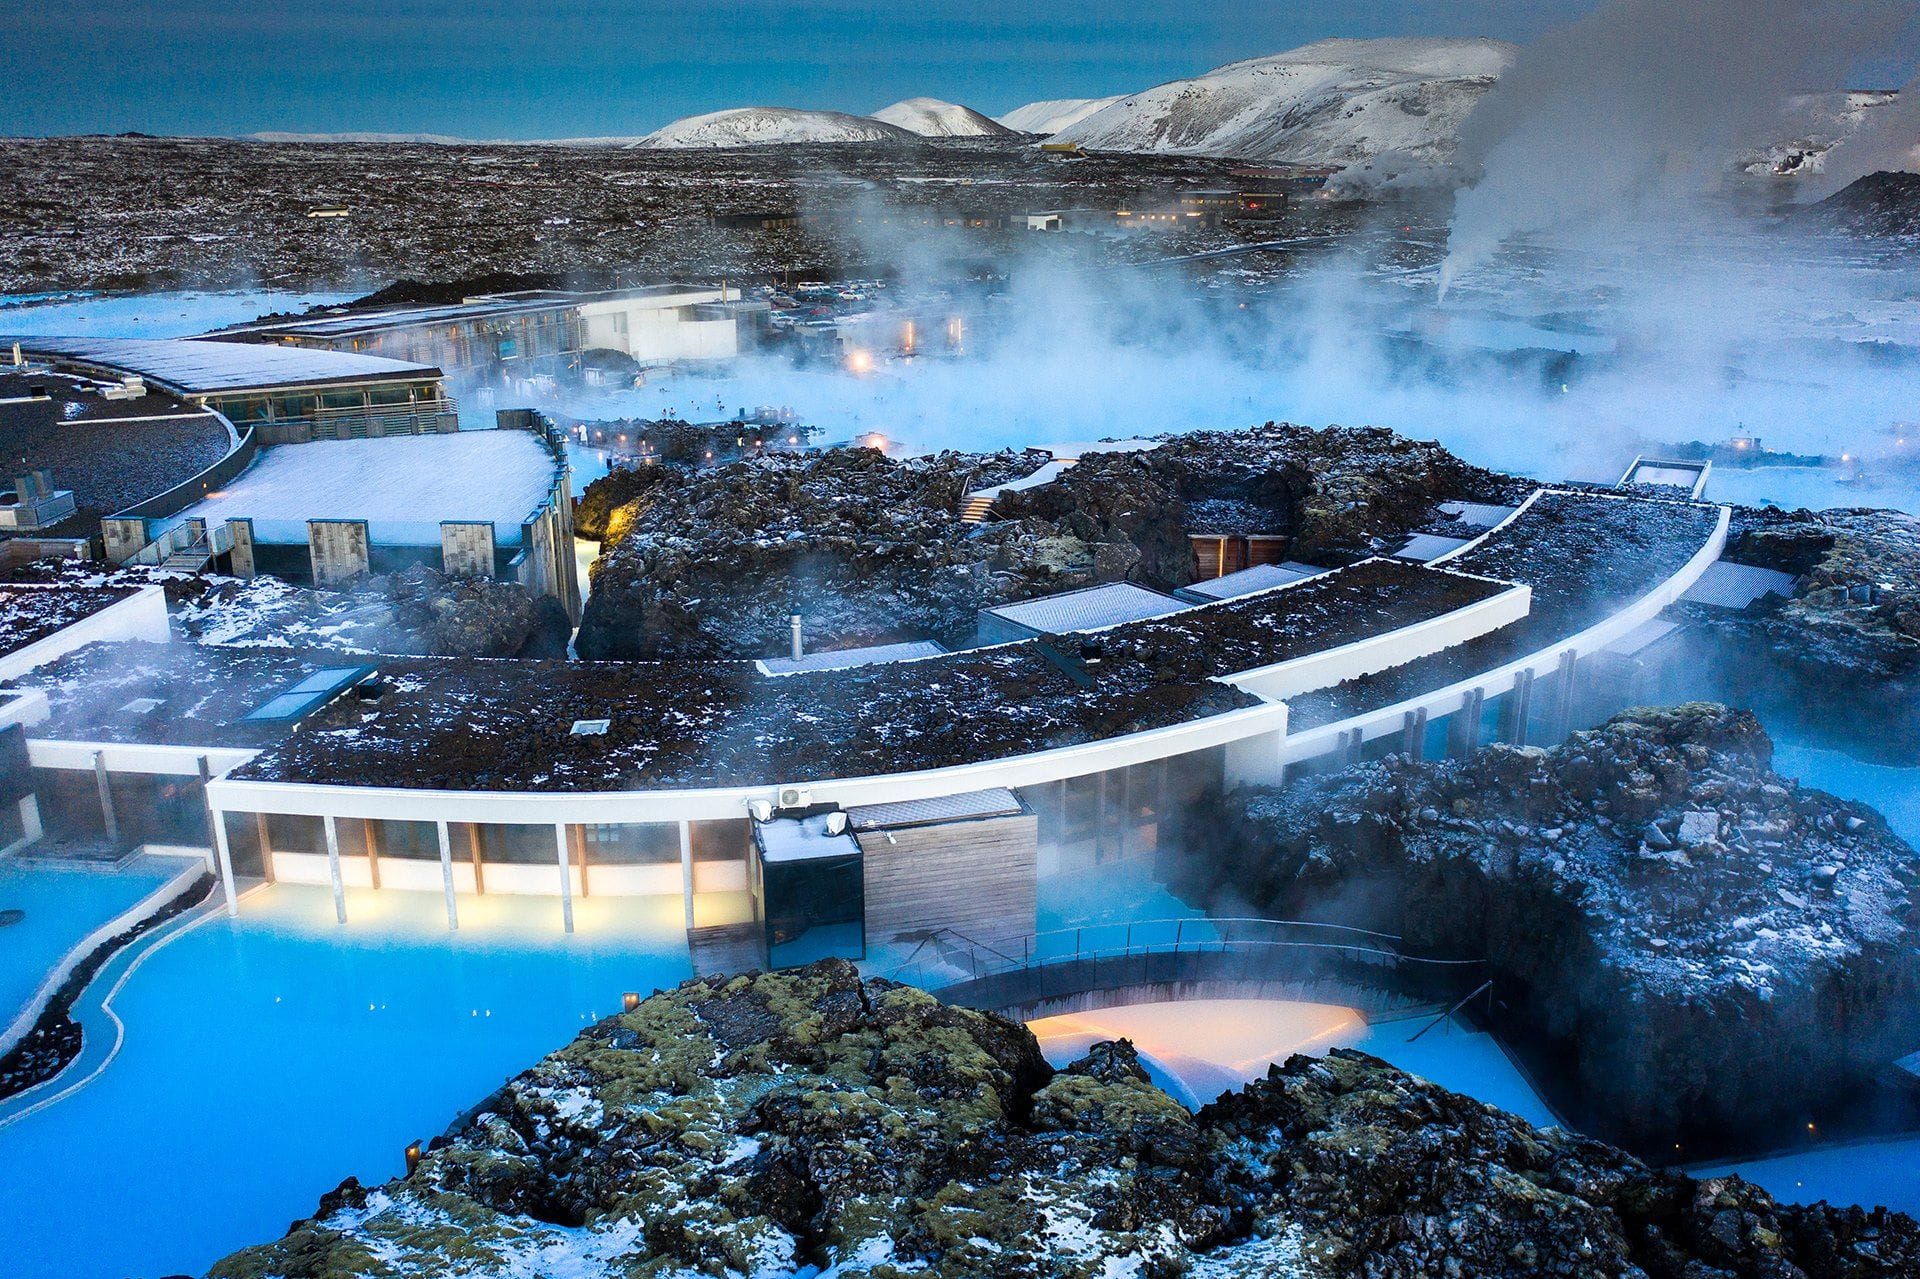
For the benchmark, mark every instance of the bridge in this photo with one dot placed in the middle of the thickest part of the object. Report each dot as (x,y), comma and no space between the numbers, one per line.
(1147,961)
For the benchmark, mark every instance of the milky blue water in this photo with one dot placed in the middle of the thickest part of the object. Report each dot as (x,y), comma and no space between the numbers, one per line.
(269,1056)
(146,315)
(60,906)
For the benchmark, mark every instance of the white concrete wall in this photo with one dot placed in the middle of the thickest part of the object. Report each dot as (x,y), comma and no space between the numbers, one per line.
(123,757)
(618,807)
(1392,719)
(1384,652)
(141,616)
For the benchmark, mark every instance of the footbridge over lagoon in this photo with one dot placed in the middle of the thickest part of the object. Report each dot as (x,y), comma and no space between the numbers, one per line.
(1072,970)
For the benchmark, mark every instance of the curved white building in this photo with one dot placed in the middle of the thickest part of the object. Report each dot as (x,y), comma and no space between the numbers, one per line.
(829,811)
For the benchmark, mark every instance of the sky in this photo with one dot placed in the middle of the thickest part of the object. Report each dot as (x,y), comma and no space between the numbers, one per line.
(578,68)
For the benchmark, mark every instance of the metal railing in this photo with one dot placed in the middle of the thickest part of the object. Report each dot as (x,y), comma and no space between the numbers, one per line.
(951,956)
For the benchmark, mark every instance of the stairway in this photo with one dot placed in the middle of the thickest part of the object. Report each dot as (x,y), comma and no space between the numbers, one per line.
(974,510)
(189,559)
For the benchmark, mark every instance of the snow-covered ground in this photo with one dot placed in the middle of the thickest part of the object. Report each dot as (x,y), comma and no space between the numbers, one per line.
(770,126)
(403,486)
(932,118)
(1337,102)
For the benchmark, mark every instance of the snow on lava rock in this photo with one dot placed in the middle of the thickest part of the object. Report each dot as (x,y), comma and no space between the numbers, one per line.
(1337,102)
(769,126)
(812,1123)
(932,118)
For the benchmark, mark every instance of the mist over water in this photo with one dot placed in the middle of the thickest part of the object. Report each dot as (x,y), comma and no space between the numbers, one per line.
(1724,327)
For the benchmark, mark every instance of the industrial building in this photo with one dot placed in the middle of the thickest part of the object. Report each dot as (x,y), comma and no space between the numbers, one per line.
(491,338)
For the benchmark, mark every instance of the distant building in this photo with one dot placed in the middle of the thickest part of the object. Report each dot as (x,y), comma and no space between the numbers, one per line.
(497,336)
(286,395)
(762,220)
(1050,221)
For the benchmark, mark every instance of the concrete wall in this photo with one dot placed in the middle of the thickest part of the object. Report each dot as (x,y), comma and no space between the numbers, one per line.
(975,877)
(338,550)
(124,537)
(241,531)
(466,548)
(652,329)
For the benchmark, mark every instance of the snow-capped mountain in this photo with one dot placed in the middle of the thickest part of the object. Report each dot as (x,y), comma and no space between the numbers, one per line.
(1811,126)
(769,126)
(1336,102)
(932,118)
(1045,118)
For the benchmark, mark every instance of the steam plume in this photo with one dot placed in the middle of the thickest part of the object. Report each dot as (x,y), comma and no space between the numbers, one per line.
(1638,108)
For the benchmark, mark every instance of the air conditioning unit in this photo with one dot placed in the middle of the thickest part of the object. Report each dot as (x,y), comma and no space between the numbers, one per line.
(795,797)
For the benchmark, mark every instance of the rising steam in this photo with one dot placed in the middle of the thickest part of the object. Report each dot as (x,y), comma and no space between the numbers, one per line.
(1633,112)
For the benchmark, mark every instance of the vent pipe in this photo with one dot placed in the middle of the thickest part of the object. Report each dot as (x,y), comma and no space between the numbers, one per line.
(798,646)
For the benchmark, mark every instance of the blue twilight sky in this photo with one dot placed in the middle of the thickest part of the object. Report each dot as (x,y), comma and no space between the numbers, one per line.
(570,68)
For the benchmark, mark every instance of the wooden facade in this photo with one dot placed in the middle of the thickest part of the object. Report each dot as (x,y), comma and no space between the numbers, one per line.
(974,877)
(1218,555)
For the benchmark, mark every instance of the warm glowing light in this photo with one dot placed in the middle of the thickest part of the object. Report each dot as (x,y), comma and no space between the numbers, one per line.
(630,1000)
(859,361)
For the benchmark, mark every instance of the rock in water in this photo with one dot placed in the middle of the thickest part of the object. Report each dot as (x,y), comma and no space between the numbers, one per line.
(813,1122)
(1716,985)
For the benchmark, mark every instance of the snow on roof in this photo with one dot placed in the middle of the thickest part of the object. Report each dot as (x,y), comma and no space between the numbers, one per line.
(529,301)
(200,367)
(1727,585)
(802,839)
(841,659)
(29,614)
(1423,547)
(404,486)
(1088,609)
(998,802)
(1477,514)
(1248,581)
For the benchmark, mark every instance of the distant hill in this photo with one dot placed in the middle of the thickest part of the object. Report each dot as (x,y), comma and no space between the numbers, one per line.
(1337,102)
(1880,204)
(1811,125)
(1046,118)
(416,139)
(932,118)
(770,126)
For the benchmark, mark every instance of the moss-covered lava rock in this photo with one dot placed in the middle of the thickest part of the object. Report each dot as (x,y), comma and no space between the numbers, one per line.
(811,1123)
